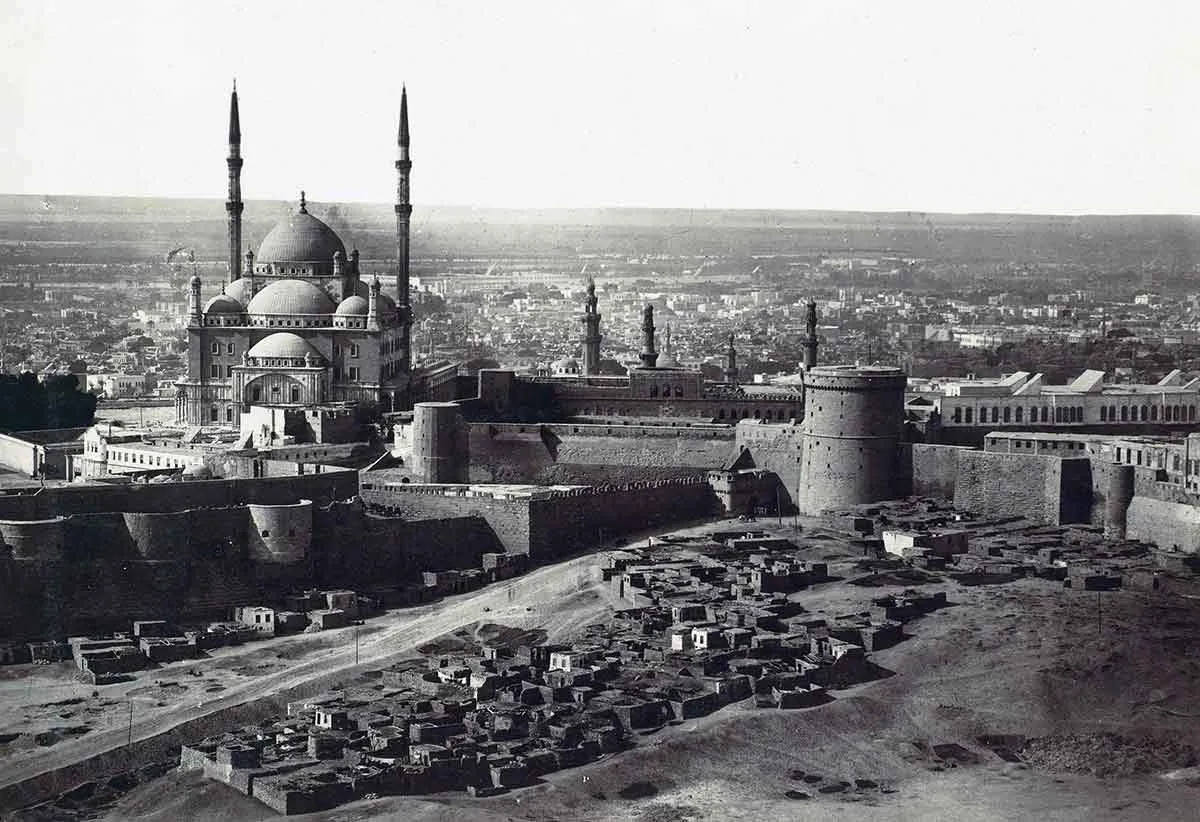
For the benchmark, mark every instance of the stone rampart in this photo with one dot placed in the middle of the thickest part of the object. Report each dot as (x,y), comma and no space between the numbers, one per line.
(549,523)
(1042,488)
(592,454)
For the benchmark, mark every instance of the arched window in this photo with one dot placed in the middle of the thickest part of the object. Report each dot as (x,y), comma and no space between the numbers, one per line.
(1007,413)
(1145,413)
(968,415)
(1124,413)
(957,416)
(721,414)
(1191,413)
(1153,412)
(1020,414)
(755,413)
(1104,413)
(679,390)
(654,390)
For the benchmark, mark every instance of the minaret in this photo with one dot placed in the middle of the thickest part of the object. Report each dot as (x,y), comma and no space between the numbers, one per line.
(234,204)
(591,332)
(810,341)
(731,370)
(373,305)
(649,353)
(248,269)
(403,215)
(195,315)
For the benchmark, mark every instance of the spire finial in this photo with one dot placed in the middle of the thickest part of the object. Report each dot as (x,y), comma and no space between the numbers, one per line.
(235,125)
(403,136)
(303,203)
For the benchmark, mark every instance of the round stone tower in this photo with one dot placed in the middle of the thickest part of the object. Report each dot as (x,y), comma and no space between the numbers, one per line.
(440,445)
(853,416)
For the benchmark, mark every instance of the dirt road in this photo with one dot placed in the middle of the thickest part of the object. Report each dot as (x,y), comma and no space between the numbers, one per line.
(558,598)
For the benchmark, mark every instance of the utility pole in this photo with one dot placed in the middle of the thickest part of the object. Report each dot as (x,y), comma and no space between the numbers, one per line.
(129,737)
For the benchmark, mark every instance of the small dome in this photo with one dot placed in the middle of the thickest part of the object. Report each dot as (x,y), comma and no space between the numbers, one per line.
(290,297)
(283,344)
(197,472)
(223,304)
(240,290)
(353,306)
(300,238)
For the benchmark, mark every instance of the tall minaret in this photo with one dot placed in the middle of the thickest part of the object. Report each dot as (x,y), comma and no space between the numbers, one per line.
(403,214)
(810,341)
(591,332)
(649,353)
(234,204)
(731,369)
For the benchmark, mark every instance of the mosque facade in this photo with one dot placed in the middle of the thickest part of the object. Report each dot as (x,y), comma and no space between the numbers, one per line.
(298,326)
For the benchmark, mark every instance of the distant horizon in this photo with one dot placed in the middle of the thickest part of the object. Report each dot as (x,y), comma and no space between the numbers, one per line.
(318,202)
(1067,108)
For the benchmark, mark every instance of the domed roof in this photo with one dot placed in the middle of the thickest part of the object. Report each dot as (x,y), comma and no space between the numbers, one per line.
(300,237)
(354,305)
(290,297)
(240,290)
(197,472)
(283,344)
(223,304)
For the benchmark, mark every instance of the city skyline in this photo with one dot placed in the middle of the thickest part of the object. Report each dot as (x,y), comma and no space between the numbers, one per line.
(1076,108)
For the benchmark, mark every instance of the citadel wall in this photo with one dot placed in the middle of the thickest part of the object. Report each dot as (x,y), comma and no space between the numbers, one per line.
(777,447)
(548,524)
(1043,488)
(586,454)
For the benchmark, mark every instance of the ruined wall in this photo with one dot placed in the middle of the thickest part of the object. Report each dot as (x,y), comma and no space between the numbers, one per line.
(566,454)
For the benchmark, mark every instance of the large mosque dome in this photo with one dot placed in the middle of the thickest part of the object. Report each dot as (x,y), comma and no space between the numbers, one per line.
(284,344)
(293,297)
(300,238)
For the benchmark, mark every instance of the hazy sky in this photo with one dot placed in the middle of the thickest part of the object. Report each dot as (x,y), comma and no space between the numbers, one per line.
(939,106)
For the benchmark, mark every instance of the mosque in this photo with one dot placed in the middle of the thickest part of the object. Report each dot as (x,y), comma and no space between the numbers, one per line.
(298,332)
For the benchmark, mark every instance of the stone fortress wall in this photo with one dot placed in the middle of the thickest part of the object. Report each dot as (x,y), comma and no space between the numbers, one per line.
(550,523)
(95,567)
(579,453)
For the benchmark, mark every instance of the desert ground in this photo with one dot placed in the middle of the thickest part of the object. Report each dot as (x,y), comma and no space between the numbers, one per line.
(1104,687)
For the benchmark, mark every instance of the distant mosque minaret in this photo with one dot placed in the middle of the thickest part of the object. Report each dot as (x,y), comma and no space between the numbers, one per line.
(591,332)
